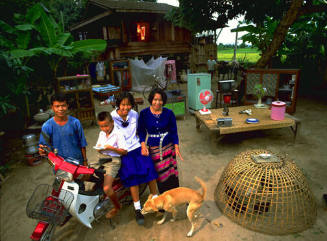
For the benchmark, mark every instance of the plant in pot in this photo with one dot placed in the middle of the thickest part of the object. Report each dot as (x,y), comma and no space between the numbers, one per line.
(260,92)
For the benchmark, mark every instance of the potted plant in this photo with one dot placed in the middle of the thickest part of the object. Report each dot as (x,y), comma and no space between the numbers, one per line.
(260,91)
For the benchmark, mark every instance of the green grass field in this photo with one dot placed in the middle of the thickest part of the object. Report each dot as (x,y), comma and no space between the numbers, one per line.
(242,54)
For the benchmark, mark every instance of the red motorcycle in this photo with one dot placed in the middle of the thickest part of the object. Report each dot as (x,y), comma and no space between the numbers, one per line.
(55,205)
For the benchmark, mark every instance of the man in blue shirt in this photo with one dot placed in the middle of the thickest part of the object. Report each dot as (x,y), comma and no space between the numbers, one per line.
(65,132)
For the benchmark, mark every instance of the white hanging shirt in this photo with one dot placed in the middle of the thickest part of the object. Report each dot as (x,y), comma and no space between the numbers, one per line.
(129,132)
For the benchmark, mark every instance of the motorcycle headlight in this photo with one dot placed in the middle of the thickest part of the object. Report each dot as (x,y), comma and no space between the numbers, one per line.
(68,177)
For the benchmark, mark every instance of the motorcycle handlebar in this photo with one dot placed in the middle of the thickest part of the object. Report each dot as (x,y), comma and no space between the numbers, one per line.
(46,149)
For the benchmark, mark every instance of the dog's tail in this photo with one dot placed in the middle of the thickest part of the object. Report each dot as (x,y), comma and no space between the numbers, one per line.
(203,185)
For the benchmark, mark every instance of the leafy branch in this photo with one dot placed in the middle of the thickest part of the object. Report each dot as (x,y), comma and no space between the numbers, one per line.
(260,91)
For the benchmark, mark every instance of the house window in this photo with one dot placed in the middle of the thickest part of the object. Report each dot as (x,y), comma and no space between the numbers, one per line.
(142,31)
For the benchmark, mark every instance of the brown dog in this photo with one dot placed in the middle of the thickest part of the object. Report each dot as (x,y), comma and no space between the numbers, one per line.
(174,197)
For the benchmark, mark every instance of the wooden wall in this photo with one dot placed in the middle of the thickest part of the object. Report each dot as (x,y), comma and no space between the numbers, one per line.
(120,32)
(200,55)
(154,48)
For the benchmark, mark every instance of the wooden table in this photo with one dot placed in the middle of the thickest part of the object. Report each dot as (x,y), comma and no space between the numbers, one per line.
(239,120)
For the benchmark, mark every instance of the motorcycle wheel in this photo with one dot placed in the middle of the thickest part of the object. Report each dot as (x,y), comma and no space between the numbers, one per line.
(48,233)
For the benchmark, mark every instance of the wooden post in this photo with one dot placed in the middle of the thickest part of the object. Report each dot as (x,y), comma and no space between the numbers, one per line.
(124,32)
(28,113)
(104,31)
(172,32)
(117,53)
(157,34)
(235,45)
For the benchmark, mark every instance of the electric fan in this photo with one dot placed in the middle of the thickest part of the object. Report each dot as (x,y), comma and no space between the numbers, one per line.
(205,97)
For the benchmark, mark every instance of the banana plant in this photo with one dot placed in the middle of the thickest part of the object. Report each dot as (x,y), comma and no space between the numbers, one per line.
(259,36)
(36,36)
(50,39)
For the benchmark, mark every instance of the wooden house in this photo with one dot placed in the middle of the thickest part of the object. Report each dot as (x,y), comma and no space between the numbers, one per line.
(134,29)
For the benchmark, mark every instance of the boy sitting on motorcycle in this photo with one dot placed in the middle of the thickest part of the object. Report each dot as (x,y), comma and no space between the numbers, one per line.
(111,145)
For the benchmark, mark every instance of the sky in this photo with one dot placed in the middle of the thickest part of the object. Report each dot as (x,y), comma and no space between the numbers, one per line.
(226,36)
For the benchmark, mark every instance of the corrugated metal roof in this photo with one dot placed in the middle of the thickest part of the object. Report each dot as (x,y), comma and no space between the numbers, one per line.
(133,6)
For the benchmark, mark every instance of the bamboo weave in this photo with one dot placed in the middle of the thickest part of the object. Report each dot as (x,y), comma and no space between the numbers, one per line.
(269,197)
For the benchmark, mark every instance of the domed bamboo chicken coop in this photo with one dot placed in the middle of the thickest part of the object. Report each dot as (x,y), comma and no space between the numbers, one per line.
(266,192)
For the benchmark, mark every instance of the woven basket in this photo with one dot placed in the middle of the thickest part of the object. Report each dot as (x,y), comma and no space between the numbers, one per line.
(266,193)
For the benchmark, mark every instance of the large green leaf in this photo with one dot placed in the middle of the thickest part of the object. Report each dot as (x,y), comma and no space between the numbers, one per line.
(25,27)
(41,50)
(34,13)
(62,38)
(46,29)
(248,28)
(23,39)
(23,35)
(89,45)
(66,52)
(61,52)
(5,43)
(6,27)
(21,53)
(54,23)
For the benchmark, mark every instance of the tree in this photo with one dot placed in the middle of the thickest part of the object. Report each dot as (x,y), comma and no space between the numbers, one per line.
(37,37)
(210,14)
(69,12)
(306,46)
(258,36)
(14,7)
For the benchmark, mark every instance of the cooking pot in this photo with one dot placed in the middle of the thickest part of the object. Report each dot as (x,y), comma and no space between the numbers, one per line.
(31,150)
(41,117)
(30,140)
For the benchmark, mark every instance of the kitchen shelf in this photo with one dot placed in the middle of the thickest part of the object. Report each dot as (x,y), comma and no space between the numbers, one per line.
(81,102)
(120,74)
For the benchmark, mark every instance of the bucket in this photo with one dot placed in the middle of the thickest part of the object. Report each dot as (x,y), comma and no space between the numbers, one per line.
(278,110)
(227,99)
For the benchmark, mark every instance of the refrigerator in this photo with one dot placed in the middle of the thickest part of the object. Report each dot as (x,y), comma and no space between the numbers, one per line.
(195,83)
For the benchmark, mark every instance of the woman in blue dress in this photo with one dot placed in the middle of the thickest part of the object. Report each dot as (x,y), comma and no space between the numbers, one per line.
(159,124)
(135,168)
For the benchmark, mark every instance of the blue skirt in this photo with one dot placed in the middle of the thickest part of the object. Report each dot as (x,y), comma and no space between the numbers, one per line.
(136,169)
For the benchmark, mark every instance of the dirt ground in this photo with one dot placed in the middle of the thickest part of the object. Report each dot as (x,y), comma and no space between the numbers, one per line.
(204,157)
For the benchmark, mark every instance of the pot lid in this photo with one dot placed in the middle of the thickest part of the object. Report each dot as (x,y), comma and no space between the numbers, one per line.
(278,103)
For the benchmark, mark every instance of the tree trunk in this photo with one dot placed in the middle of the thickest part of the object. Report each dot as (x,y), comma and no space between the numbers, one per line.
(280,33)
(235,45)
(324,79)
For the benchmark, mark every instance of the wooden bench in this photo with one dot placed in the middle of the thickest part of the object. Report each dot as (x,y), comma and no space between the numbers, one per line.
(239,120)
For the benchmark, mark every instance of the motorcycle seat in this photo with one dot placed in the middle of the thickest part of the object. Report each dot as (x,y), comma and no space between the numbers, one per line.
(104,160)
(95,192)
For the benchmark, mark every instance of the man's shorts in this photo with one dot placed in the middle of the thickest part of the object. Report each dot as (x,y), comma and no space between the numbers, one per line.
(111,167)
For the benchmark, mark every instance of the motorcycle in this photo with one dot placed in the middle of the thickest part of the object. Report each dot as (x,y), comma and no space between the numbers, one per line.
(55,205)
